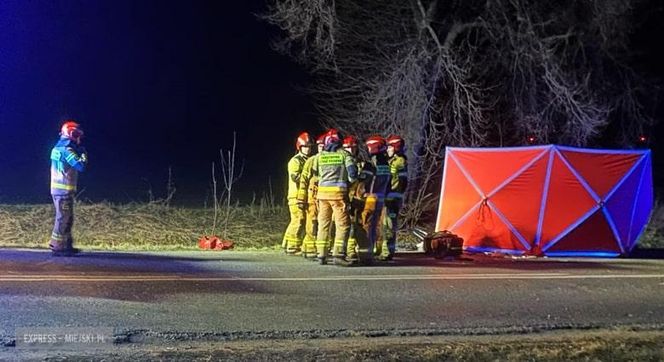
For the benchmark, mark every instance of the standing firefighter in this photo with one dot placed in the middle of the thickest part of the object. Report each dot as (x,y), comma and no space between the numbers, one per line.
(355,192)
(293,236)
(307,195)
(335,169)
(68,158)
(378,175)
(394,201)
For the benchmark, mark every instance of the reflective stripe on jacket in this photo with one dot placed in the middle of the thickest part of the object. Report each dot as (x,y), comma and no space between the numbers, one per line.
(67,160)
(294,172)
(335,169)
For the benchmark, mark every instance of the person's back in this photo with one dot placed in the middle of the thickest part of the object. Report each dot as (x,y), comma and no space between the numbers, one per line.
(335,169)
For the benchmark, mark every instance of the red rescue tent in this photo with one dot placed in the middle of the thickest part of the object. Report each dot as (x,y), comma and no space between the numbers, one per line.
(546,200)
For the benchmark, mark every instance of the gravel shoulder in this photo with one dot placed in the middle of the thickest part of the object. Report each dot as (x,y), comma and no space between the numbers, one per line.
(620,344)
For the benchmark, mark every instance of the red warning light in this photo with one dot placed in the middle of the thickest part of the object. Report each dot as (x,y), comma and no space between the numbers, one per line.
(531,139)
(643,139)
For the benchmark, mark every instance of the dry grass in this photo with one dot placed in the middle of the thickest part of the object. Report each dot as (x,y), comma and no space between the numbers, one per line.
(151,226)
(157,226)
(653,237)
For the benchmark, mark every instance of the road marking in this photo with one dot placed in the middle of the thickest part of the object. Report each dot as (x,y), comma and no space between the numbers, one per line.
(182,278)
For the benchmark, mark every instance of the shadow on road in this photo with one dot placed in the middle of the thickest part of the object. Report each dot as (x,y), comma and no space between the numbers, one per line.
(135,276)
(505,262)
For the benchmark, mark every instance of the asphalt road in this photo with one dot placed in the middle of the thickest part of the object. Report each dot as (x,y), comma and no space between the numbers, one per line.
(244,295)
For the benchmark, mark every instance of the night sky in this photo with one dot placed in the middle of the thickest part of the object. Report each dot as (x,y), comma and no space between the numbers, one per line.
(154,84)
(157,84)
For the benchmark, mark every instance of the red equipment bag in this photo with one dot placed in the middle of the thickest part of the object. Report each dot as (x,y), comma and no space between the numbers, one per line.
(214,243)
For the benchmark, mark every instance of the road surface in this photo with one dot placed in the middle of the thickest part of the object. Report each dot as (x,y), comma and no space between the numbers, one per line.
(228,295)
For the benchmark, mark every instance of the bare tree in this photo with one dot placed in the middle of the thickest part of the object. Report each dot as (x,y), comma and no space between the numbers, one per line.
(230,175)
(467,73)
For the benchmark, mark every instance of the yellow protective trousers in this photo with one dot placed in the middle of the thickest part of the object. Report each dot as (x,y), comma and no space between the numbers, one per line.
(329,210)
(293,236)
(311,228)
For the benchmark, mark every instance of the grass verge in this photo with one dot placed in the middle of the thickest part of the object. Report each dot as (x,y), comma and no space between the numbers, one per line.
(149,226)
(156,226)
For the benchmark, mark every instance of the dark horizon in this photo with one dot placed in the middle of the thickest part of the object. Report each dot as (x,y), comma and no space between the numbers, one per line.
(159,84)
(154,84)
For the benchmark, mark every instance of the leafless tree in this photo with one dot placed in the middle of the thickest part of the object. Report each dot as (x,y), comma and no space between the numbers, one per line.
(230,175)
(467,73)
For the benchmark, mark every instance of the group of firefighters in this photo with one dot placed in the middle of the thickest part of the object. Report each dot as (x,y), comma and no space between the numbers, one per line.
(342,206)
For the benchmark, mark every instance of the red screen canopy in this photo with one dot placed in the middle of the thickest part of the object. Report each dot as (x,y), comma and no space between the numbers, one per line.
(546,200)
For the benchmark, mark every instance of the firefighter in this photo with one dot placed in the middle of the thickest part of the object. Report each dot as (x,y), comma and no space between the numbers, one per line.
(307,199)
(394,201)
(376,192)
(349,250)
(336,170)
(293,236)
(68,158)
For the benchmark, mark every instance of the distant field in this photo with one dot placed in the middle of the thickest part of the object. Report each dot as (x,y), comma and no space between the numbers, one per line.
(155,226)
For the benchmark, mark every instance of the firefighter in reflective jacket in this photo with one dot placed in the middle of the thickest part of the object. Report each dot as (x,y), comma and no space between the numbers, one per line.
(307,197)
(336,170)
(394,200)
(292,241)
(368,200)
(68,158)
(355,191)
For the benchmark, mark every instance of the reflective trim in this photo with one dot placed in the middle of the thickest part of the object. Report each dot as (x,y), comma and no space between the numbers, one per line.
(59,186)
(57,237)
(323,189)
(332,183)
(55,155)
(394,195)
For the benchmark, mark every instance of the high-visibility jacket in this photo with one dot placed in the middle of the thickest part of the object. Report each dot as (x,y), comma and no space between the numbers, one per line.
(399,171)
(308,182)
(336,170)
(67,160)
(294,173)
(381,179)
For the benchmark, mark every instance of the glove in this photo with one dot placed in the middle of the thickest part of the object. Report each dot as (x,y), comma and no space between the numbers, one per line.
(84,157)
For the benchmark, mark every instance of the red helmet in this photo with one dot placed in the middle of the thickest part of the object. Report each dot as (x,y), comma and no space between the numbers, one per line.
(397,142)
(350,141)
(375,145)
(321,139)
(331,136)
(72,130)
(303,140)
